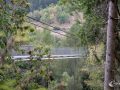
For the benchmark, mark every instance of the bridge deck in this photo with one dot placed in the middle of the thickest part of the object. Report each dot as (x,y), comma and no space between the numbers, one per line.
(52,57)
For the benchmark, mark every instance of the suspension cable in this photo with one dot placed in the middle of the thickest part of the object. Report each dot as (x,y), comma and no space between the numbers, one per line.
(52,26)
(48,29)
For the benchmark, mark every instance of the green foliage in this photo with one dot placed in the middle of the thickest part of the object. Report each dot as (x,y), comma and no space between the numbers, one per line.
(82,5)
(35,86)
(87,33)
(62,15)
(78,74)
(8,85)
(46,16)
(69,74)
(78,34)
(47,37)
(95,68)
(51,14)
(1,75)
(37,4)
(24,76)
(66,78)
(91,30)
(11,20)
(42,37)
(24,65)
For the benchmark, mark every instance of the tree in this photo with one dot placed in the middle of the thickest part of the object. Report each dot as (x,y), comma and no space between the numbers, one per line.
(76,41)
(37,4)
(91,9)
(110,50)
(11,17)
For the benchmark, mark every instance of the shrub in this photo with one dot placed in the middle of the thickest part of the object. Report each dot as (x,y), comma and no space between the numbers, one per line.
(62,15)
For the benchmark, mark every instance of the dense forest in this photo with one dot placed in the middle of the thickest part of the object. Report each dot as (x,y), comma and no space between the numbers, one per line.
(59,45)
(39,4)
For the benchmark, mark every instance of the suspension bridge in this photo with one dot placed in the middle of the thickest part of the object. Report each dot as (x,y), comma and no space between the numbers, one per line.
(55,54)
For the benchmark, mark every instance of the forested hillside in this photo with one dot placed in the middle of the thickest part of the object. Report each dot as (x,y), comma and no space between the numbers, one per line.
(59,45)
(39,4)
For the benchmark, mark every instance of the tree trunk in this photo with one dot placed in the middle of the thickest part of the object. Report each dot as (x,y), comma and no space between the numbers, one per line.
(6,50)
(110,49)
